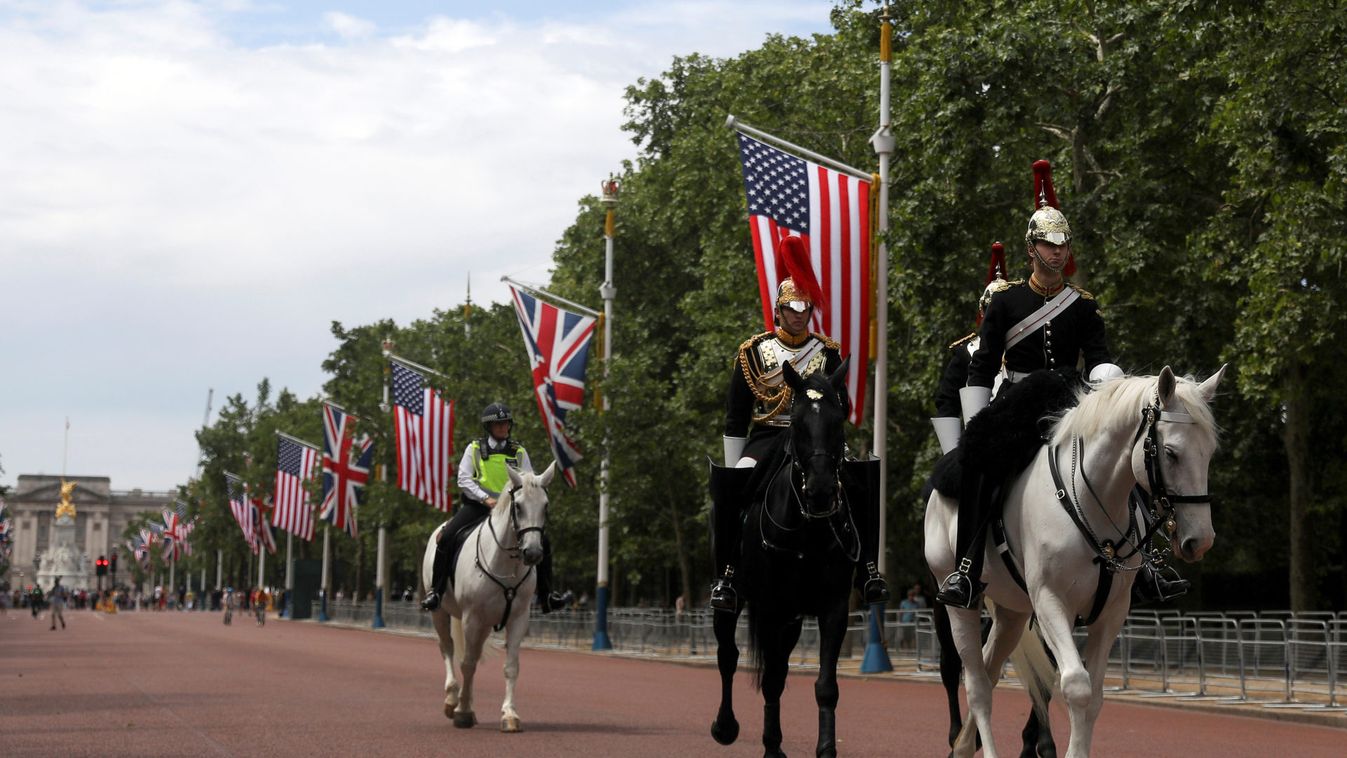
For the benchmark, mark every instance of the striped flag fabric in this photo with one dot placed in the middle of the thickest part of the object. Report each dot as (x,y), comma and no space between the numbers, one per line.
(296,462)
(830,211)
(558,347)
(243,512)
(346,465)
(423,423)
(266,538)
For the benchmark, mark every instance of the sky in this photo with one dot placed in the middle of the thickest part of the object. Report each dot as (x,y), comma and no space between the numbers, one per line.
(191,192)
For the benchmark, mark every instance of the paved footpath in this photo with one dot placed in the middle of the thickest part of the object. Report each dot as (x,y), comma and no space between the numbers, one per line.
(152,684)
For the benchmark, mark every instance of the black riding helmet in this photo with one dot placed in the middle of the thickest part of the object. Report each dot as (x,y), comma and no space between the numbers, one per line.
(497,412)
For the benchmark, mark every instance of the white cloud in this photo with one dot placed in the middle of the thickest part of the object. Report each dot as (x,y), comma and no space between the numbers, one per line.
(182,211)
(347,26)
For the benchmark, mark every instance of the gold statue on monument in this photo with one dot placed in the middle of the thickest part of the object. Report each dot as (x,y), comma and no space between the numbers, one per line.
(66,509)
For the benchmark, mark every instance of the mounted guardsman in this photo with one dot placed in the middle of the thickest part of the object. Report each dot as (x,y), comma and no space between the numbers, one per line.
(948,421)
(757,415)
(1034,335)
(482,477)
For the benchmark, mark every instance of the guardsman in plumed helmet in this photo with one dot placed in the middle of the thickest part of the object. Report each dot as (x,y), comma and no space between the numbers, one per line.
(948,422)
(758,413)
(482,476)
(1034,335)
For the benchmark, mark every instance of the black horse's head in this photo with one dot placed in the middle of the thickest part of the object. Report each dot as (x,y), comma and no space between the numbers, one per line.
(817,437)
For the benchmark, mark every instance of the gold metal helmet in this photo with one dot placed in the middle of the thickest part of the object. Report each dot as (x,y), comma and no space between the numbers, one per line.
(1047,223)
(1050,225)
(792,297)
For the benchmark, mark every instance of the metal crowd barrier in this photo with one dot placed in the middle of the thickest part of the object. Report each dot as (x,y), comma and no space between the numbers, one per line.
(1277,659)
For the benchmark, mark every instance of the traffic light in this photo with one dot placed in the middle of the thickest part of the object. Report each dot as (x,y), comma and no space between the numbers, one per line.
(101,566)
(113,564)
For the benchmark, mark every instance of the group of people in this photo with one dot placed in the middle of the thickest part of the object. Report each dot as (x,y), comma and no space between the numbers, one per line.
(1038,339)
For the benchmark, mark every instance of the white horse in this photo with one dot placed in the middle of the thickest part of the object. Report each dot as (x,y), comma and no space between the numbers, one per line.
(493,583)
(1067,521)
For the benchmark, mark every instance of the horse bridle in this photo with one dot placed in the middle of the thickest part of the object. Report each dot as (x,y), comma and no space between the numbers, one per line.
(1159,500)
(834,463)
(511,591)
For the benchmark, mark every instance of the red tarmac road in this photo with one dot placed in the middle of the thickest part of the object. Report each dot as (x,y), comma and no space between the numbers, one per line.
(151,684)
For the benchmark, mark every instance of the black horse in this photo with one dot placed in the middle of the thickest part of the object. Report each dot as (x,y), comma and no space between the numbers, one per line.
(800,548)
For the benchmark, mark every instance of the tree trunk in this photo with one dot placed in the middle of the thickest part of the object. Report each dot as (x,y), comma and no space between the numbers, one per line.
(684,560)
(1295,438)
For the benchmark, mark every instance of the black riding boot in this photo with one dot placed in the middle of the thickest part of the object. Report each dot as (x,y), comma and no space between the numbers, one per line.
(727,502)
(963,588)
(439,574)
(548,600)
(861,478)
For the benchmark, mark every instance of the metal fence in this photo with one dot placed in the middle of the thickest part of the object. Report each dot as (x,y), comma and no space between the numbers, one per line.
(1275,658)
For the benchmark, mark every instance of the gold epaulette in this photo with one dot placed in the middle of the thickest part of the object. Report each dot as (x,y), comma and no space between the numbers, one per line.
(1082,292)
(755,339)
(826,342)
(963,340)
(1016,282)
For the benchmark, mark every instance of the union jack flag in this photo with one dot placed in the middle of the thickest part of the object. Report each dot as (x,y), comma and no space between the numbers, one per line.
(558,347)
(243,512)
(295,464)
(424,425)
(830,211)
(346,465)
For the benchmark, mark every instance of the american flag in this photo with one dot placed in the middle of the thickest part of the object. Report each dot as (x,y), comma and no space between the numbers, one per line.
(266,538)
(295,464)
(558,347)
(243,512)
(830,210)
(346,465)
(424,425)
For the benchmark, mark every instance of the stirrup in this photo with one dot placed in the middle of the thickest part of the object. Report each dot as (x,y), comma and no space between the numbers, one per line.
(431,602)
(876,590)
(960,590)
(723,596)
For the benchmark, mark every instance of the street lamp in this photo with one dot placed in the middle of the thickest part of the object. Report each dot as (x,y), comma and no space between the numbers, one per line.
(380,576)
(607,291)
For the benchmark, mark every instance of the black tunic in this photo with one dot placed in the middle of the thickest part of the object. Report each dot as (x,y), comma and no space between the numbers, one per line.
(1076,332)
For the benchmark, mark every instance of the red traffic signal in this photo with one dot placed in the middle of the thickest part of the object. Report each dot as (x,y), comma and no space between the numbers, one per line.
(101,566)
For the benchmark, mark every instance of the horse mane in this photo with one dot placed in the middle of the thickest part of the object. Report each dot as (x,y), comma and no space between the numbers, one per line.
(1119,402)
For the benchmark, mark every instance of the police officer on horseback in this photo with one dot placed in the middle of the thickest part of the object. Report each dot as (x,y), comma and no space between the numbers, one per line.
(482,476)
(758,415)
(1033,335)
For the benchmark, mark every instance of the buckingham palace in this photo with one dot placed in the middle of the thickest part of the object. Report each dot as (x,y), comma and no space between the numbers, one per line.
(101,513)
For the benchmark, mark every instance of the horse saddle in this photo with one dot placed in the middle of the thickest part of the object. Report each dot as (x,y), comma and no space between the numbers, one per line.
(457,541)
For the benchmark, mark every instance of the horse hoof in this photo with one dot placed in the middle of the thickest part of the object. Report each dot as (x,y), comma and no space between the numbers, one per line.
(510,725)
(465,720)
(725,732)
(449,710)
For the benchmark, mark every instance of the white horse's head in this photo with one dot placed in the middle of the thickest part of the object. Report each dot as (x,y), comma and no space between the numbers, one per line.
(1185,441)
(527,503)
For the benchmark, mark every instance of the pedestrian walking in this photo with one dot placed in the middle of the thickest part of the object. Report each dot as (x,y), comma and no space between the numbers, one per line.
(57,598)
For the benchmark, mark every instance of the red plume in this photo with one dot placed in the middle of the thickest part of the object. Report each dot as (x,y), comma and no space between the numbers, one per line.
(997,265)
(795,260)
(1043,185)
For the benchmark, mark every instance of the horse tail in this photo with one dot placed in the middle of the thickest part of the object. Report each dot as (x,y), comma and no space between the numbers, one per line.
(755,647)
(1036,670)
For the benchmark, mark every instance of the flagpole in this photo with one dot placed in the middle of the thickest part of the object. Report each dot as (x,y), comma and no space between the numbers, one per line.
(409,364)
(172,576)
(607,291)
(261,561)
(739,126)
(219,569)
(379,576)
(288,609)
(876,655)
(202,605)
(540,292)
(327,561)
